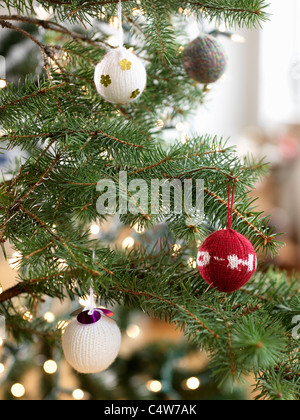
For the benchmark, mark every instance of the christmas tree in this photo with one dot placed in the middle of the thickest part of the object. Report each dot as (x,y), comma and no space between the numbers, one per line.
(94,150)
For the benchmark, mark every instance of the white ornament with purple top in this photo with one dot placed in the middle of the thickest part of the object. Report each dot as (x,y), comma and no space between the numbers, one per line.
(92,341)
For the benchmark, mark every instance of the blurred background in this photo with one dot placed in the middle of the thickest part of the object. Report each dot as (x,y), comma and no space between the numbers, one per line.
(256,105)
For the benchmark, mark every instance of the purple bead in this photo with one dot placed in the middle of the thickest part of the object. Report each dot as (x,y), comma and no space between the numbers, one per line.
(85,318)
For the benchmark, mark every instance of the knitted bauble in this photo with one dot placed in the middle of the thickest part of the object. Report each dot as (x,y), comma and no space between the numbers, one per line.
(91,346)
(120,77)
(227,260)
(204,59)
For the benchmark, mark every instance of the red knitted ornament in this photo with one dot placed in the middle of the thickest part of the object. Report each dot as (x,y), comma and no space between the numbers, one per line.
(227,260)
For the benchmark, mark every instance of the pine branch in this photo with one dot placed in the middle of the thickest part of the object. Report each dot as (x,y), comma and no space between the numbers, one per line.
(168,303)
(162,52)
(52,26)
(32,95)
(232,12)
(256,10)
(73,138)
(26,286)
(266,239)
(44,51)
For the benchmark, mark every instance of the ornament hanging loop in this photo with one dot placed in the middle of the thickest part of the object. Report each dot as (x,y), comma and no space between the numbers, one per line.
(121,34)
(230,203)
(91,305)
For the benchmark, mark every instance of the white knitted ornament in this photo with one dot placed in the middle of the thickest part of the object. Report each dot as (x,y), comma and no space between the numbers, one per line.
(120,77)
(91,348)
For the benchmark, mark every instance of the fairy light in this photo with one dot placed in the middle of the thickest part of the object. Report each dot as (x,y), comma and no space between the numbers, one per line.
(49,317)
(101,16)
(114,22)
(2,368)
(193,383)
(42,13)
(94,229)
(137,12)
(113,41)
(176,249)
(18,390)
(3,84)
(185,12)
(208,88)
(85,90)
(50,367)
(128,242)
(54,64)
(14,260)
(1,342)
(180,49)
(62,325)
(62,263)
(139,229)
(222,27)
(154,386)
(27,316)
(84,300)
(191,262)
(179,127)
(133,331)
(78,394)
(237,38)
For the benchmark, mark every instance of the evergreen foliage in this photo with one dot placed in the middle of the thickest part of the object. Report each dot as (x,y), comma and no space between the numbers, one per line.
(71,139)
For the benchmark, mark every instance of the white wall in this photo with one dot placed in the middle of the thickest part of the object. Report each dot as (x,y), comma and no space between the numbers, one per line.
(232,103)
(279,87)
(258,89)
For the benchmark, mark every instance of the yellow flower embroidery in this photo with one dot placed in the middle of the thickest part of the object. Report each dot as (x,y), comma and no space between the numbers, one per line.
(125,64)
(105,80)
(135,94)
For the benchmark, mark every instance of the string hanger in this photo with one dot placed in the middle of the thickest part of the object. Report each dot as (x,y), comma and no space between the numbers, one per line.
(91,305)
(121,34)
(230,204)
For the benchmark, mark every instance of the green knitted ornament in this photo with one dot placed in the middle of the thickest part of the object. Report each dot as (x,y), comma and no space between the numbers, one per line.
(204,59)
